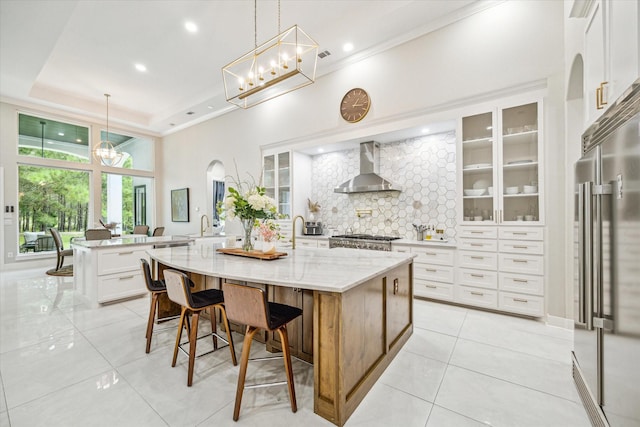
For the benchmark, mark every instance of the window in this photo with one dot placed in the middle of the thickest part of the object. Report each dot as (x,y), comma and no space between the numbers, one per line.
(137,151)
(125,201)
(51,139)
(51,197)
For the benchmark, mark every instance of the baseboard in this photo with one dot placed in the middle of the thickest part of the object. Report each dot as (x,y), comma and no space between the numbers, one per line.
(559,322)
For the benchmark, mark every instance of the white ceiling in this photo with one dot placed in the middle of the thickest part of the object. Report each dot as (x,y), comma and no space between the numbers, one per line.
(68,54)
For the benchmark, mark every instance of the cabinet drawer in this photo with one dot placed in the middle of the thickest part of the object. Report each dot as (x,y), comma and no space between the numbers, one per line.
(481,260)
(481,278)
(401,249)
(430,289)
(433,255)
(523,304)
(117,286)
(521,283)
(479,232)
(110,262)
(521,247)
(323,243)
(524,264)
(521,233)
(488,245)
(477,296)
(440,273)
(306,243)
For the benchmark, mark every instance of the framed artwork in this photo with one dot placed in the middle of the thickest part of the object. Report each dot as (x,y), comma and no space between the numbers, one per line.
(180,205)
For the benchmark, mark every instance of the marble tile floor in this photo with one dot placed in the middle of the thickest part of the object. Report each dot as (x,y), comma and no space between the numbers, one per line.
(64,364)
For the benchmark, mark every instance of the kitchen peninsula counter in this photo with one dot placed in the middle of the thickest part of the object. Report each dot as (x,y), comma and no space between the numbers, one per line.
(109,270)
(361,304)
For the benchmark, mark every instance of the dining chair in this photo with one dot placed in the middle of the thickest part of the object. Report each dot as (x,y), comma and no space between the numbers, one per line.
(97,234)
(141,229)
(158,231)
(60,250)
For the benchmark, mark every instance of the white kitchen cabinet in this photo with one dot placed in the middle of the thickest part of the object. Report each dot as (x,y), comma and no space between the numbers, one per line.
(286,176)
(433,270)
(500,178)
(611,53)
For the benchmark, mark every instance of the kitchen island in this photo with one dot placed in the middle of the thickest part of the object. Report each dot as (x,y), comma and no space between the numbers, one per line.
(361,303)
(109,270)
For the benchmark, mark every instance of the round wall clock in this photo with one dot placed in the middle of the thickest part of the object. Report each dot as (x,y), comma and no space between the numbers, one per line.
(355,105)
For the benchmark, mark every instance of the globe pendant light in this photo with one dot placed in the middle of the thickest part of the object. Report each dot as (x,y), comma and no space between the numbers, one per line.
(104,151)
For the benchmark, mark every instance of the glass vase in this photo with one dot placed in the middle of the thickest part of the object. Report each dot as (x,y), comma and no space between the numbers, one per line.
(247,243)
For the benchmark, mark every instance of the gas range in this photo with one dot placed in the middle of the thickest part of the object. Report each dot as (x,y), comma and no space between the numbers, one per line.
(362,241)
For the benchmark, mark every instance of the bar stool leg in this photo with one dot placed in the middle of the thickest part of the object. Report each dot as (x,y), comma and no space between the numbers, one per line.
(214,327)
(286,355)
(227,327)
(193,339)
(152,318)
(183,314)
(244,361)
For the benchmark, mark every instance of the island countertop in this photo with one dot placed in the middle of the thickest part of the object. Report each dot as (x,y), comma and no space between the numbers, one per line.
(330,270)
(133,240)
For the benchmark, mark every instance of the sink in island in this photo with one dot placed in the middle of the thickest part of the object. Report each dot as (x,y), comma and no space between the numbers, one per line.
(357,309)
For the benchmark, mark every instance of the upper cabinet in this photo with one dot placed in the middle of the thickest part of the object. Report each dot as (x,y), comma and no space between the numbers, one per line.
(501,152)
(611,44)
(286,176)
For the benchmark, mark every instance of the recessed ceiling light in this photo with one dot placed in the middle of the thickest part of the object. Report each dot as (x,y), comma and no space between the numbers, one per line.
(60,133)
(347,47)
(78,140)
(191,27)
(141,67)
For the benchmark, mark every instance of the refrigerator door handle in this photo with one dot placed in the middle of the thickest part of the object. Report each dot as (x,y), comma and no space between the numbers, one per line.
(585,253)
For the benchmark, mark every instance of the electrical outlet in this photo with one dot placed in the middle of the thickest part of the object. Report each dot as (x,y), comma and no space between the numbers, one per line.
(9,254)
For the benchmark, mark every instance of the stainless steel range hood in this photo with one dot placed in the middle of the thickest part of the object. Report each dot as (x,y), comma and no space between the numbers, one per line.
(368,180)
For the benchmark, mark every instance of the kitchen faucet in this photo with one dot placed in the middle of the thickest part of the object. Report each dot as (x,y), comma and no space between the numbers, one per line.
(202,228)
(293,230)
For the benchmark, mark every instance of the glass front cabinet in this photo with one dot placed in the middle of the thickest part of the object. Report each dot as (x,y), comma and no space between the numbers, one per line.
(500,154)
(277,180)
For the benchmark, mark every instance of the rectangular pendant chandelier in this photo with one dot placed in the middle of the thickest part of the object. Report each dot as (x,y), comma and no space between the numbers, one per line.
(283,64)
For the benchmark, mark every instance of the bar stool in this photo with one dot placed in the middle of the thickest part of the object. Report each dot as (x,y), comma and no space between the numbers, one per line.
(179,291)
(249,306)
(155,287)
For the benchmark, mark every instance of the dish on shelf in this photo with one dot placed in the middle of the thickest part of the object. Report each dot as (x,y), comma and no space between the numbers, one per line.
(481,184)
(477,166)
(474,191)
(477,218)
(520,162)
(511,190)
(530,189)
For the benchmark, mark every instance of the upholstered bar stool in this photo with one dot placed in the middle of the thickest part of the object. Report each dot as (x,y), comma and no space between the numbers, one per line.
(179,291)
(249,306)
(155,287)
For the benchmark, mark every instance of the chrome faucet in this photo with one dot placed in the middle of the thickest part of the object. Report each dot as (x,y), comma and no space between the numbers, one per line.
(293,230)
(202,227)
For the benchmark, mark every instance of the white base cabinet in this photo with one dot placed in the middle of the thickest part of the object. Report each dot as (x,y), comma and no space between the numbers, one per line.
(433,270)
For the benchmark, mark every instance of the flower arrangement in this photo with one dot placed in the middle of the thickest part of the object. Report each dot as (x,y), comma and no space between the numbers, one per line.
(268,230)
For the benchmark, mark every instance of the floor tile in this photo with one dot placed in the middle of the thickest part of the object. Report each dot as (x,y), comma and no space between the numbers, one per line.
(501,403)
(542,374)
(22,331)
(446,319)
(430,344)
(4,419)
(35,371)
(441,417)
(85,318)
(3,399)
(414,374)
(102,400)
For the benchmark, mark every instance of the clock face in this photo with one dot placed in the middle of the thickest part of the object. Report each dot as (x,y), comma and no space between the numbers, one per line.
(355,105)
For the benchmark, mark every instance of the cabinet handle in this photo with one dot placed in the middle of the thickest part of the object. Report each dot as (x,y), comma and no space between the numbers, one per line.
(495,216)
(476,232)
(431,253)
(476,244)
(431,286)
(477,275)
(125,253)
(477,257)
(395,286)
(477,293)
(520,300)
(519,233)
(520,280)
(520,260)
(430,270)
(520,247)
(125,278)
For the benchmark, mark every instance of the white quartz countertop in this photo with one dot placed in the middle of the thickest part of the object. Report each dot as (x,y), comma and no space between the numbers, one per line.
(133,240)
(331,270)
(434,243)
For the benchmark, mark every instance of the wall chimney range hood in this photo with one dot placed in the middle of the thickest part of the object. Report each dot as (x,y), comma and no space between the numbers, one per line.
(368,180)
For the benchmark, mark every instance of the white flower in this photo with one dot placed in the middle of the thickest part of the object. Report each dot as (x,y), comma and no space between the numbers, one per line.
(257,202)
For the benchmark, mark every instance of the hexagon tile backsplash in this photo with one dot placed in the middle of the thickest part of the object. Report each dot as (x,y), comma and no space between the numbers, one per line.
(423,167)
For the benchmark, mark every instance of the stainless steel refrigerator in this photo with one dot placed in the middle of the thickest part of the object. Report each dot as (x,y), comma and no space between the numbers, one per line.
(606,356)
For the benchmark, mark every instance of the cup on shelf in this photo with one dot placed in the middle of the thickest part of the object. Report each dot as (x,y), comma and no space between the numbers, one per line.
(519,218)
(490,191)
(528,218)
